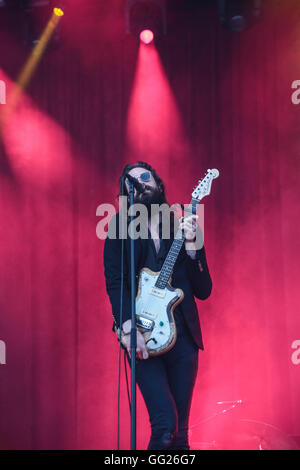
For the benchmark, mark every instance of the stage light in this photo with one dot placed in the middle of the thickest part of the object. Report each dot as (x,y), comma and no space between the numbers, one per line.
(238,16)
(58,12)
(146,15)
(35,14)
(146,36)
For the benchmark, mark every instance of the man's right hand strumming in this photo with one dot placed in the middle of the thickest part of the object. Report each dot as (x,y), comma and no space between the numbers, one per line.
(141,350)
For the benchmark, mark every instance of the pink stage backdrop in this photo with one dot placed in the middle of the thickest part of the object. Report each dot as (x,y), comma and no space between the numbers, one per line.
(222,100)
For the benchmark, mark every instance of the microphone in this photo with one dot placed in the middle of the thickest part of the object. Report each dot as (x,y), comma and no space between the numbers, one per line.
(140,187)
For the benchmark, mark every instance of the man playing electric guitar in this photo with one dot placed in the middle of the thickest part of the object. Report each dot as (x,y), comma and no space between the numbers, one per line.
(166,380)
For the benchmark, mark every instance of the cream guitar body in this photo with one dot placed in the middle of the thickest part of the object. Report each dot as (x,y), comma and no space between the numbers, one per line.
(154,312)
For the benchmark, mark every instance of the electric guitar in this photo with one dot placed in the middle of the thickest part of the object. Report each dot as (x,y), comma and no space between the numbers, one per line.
(156,299)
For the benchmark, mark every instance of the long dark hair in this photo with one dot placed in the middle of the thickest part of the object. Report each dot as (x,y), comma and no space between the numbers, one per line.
(130,166)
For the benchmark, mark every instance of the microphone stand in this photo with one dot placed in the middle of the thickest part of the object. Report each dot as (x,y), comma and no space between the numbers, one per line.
(133,327)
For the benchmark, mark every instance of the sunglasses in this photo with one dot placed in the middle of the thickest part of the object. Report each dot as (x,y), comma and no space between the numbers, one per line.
(145,176)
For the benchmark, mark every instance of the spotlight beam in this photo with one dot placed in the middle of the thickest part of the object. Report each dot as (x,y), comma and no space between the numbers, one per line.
(38,50)
(33,61)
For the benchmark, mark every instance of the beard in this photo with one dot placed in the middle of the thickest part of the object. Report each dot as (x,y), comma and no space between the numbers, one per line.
(152,196)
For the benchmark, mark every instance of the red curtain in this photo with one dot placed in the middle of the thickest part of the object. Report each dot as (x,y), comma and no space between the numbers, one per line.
(62,151)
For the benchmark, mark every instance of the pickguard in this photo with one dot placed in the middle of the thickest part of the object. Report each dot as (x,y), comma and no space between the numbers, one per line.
(154,308)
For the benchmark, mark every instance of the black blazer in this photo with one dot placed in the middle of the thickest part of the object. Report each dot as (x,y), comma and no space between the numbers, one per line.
(190,275)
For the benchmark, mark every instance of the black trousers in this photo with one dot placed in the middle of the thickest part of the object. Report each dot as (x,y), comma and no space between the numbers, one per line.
(166,383)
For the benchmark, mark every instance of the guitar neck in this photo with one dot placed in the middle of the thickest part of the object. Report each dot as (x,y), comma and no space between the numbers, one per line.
(174,251)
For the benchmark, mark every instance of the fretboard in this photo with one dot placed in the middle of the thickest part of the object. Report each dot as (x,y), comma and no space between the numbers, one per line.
(176,246)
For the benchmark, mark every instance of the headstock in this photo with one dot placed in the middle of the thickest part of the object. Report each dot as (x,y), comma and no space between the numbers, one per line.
(204,186)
